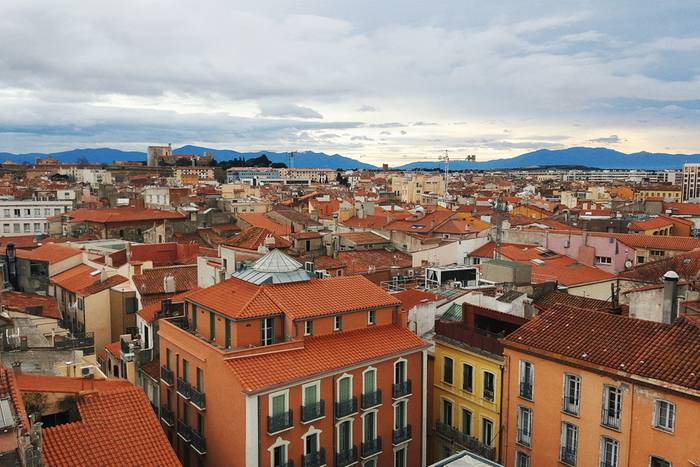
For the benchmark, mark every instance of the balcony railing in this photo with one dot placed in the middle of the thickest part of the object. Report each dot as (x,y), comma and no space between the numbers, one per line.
(279,422)
(345,408)
(314,459)
(568,455)
(483,340)
(371,399)
(166,375)
(86,342)
(346,457)
(401,389)
(197,398)
(184,430)
(198,442)
(570,405)
(371,447)
(488,394)
(524,437)
(445,430)
(401,435)
(312,411)
(167,416)
(610,418)
(607,464)
(468,442)
(526,390)
(184,388)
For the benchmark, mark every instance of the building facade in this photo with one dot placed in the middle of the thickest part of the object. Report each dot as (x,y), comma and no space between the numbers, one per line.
(27,216)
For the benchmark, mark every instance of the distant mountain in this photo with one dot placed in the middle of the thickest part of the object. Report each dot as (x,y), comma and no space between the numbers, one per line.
(302,160)
(601,158)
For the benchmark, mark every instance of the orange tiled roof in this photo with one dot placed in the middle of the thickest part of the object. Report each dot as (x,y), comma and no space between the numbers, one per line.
(150,281)
(20,301)
(651,223)
(49,252)
(85,280)
(658,242)
(10,388)
(664,352)
(116,428)
(240,299)
(412,297)
(45,383)
(254,237)
(261,220)
(114,348)
(683,209)
(567,271)
(367,261)
(127,214)
(363,238)
(323,354)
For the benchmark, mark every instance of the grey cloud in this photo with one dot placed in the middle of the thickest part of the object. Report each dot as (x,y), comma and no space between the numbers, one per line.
(385,125)
(424,123)
(367,108)
(612,139)
(361,138)
(287,110)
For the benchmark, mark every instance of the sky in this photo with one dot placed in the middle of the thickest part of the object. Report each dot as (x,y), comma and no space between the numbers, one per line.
(380,81)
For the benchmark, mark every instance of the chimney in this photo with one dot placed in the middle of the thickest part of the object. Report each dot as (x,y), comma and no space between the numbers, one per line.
(468,316)
(169,284)
(103,275)
(670,303)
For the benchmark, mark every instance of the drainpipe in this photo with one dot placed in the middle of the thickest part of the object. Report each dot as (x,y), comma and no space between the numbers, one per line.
(505,410)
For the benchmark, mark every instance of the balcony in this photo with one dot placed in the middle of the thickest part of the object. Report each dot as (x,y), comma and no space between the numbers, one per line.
(184,388)
(524,437)
(445,430)
(198,443)
(312,411)
(488,394)
(371,399)
(197,398)
(570,405)
(474,445)
(345,408)
(127,351)
(314,459)
(279,422)
(167,416)
(184,431)
(78,341)
(166,375)
(568,455)
(402,389)
(401,435)
(526,390)
(479,339)
(610,418)
(346,457)
(371,447)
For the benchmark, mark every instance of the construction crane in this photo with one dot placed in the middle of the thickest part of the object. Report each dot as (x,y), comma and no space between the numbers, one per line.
(446,159)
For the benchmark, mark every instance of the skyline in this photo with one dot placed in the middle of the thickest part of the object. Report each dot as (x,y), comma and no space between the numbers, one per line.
(372,82)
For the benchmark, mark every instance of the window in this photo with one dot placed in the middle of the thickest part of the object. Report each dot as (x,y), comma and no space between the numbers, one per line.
(487,431)
(640,259)
(345,436)
(569,440)
(369,381)
(7,213)
(489,386)
(212,326)
(200,380)
(522,459)
(344,388)
(278,404)
(37,212)
(400,415)
(526,379)
(267,331)
(310,394)
(447,412)
(337,323)
(664,415)
(168,358)
(572,393)
(657,253)
(369,427)
(400,372)
(467,377)
(609,451)
(658,462)
(6,228)
(47,212)
(447,377)
(603,260)
(27,227)
(185,370)
(612,406)
(279,456)
(27,212)
(227,333)
(308,327)
(131,305)
(16,228)
(371,317)
(37,227)
(466,422)
(18,213)
(311,444)
(524,434)
(400,457)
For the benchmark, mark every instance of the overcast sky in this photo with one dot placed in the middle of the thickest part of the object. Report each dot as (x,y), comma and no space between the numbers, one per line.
(381,81)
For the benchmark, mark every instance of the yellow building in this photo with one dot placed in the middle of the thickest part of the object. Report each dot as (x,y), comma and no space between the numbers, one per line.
(467,382)
(411,188)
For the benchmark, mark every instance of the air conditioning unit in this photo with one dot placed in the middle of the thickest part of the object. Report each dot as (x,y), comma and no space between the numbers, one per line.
(309,266)
(87,371)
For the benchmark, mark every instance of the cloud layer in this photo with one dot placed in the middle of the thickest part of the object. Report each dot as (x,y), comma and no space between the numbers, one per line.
(384,83)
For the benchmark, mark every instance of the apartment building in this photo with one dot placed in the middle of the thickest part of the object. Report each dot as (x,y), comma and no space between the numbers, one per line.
(467,381)
(587,388)
(29,216)
(272,368)
(691,183)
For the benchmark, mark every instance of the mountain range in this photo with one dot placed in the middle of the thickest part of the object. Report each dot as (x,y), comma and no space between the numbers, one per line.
(601,158)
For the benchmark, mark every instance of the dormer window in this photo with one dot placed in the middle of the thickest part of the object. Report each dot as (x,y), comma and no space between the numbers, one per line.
(337,323)
(267,331)
(308,327)
(371,317)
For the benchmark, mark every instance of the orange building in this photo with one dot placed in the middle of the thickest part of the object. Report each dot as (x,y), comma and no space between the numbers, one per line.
(271,367)
(589,388)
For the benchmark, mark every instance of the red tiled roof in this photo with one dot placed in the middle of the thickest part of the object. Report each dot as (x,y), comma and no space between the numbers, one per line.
(687,265)
(412,297)
(150,281)
(658,242)
(425,224)
(262,221)
(487,249)
(49,252)
(567,271)
(240,299)
(367,261)
(151,308)
(323,354)
(651,223)
(664,352)
(127,214)
(555,297)
(116,428)
(20,301)
(47,383)
(254,237)
(10,388)
(683,209)
(363,238)
(85,280)
(371,222)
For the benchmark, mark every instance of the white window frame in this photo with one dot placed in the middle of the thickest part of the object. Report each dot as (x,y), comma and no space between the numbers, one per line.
(487,442)
(351,420)
(660,458)
(527,438)
(337,323)
(562,440)
(372,317)
(264,337)
(310,330)
(522,365)
(370,369)
(616,450)
(270,396)
(606,400)
(337,384)
(405,417)
(483,386)
(311,432)
(671,415)
(565,393)
(363,416)
(303,391)
(524,455)
(279,442)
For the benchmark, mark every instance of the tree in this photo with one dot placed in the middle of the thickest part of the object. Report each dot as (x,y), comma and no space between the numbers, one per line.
(183,162)
(82,160)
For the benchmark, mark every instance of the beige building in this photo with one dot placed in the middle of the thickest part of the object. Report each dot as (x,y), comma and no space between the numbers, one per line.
(410,188)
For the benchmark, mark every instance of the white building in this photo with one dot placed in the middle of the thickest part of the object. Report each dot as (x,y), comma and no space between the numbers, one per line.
(93,177)
(28,216)
(691,183)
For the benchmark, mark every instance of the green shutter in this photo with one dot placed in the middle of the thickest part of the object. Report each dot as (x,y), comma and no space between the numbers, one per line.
(278,405)
(344,391)
(310,395)
(369,382)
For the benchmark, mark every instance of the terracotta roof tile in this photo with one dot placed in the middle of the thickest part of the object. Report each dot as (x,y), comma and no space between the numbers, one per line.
(367,261)
(49,252)
(85,280)
(651,223)
(20,301)
(254,237)
(150,281)
(127,214)
(323,354)
(412,297)
(262,221)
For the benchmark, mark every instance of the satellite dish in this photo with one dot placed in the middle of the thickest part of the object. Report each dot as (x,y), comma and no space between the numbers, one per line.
(628,264)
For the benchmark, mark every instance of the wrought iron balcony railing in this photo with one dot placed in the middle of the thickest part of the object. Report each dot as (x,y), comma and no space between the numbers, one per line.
(401,389)
(312,411)
(346,407)
(371,399)
(371,447)
(279,422)
(401,435)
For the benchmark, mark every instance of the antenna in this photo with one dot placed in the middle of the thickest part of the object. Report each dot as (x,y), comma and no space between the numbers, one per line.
(446,159)
(291,159)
